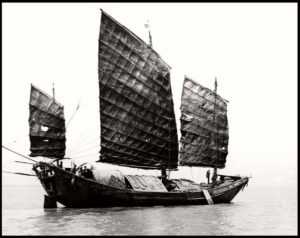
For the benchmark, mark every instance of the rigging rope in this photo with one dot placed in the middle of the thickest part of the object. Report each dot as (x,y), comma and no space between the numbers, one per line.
(80,151)
(82,140)
(19,173)
(68,123)
(19,154)
(192,173)
(81,106)
(84,131)
(23,162)
(85,155)
(16,140)
(198,173)
(91,102)
(83,145)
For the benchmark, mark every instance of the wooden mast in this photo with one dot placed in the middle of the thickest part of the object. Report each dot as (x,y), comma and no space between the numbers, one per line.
(214,177)
(53,90)
(147,26)
(163,169)
(46,205)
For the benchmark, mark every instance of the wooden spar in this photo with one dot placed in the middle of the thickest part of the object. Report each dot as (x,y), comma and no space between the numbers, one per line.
(53,90)
(150,39)
(23,162)
(208,197)
(19,154)
(19,173)
(147,25)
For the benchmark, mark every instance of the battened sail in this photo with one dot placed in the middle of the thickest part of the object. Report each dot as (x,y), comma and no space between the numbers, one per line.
(138,127)
(47,125)
(204,127)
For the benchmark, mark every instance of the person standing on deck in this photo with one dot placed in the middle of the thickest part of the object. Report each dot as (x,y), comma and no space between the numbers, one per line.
(208,175)
(214,176)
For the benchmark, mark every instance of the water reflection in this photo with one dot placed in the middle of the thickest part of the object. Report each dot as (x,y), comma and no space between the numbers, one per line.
(174,220)
(247,215)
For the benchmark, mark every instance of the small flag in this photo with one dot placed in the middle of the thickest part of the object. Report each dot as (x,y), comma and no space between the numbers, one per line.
(147,25)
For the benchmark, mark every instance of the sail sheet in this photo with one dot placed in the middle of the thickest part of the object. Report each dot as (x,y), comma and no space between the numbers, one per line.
(204,127)
(47,125)
(138,127)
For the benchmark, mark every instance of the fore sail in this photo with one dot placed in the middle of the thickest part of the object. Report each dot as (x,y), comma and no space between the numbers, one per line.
(138,127)
(204,127)
(47,125)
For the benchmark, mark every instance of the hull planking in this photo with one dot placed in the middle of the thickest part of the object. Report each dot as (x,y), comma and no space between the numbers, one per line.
(75,191)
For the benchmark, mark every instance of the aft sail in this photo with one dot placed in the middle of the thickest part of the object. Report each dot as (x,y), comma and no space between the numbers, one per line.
(138,127)
(204,127)
(47,125)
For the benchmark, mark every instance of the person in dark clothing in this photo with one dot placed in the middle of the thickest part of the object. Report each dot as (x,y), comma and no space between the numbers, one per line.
(208,175)
(74,169)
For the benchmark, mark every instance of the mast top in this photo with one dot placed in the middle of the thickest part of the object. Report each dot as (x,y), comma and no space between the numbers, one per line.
(147,26)
(53,92)
(216,85)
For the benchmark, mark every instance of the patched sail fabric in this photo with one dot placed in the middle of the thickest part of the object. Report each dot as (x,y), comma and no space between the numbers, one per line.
(204,127)
(138,127)
(47,125)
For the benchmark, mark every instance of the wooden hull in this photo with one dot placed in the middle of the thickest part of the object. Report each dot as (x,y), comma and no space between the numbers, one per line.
(74,191)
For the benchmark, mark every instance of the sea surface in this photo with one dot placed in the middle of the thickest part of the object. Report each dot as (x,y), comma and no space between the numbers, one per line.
(254,211)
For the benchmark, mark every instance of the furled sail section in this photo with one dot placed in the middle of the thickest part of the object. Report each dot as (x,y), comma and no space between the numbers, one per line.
(138,127)
(47,125)
(204,127)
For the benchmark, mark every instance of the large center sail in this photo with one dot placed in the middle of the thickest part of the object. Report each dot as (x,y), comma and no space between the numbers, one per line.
(138,127)
(47,125)
(204,127)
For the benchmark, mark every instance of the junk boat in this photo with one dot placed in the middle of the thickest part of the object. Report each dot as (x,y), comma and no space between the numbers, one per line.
(138,129)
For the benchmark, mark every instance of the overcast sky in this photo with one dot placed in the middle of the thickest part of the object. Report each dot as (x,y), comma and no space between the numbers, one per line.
(250,47)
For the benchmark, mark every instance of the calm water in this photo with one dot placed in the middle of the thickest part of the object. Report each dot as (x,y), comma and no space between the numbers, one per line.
(255,211)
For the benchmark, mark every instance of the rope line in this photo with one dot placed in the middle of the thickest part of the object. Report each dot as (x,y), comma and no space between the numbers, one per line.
(84,144)
(19,154)
(192,173)
(85,155)
(19,173)
(16,140)
(79,151)
(83,134)
(82,141)
(68,123)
